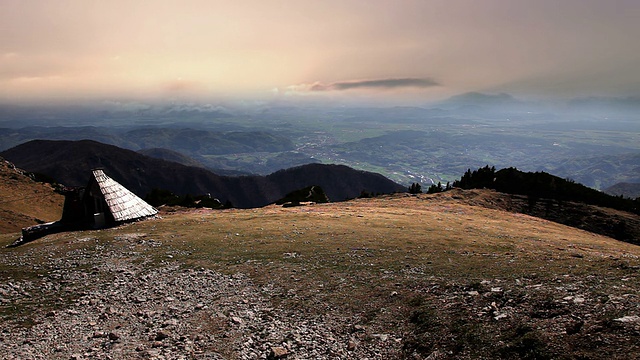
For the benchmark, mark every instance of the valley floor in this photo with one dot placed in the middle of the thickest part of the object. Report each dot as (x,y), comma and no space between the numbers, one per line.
(395,277)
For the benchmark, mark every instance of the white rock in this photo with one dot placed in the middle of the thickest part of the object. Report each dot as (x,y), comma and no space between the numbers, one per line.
(628,319)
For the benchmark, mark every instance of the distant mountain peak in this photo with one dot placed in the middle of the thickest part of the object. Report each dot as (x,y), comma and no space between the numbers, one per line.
(478,98)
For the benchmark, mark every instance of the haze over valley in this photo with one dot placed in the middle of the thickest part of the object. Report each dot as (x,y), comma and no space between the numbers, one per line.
(592,141)
(419,92)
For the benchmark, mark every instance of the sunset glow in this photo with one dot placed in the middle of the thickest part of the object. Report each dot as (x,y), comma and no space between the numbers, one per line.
(263,49)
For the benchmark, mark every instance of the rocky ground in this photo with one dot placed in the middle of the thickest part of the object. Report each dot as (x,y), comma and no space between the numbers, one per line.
(101,305)
(361,280)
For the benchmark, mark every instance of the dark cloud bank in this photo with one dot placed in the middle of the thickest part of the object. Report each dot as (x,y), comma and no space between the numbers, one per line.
(376,84)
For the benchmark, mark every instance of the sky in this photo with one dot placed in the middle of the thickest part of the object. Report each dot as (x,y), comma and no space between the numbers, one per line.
(347,50)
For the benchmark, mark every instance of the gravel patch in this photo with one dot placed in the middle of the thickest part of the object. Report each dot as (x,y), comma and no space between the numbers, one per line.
(113,305)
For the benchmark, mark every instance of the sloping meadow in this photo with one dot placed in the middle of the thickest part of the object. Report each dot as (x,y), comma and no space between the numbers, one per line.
(389,277)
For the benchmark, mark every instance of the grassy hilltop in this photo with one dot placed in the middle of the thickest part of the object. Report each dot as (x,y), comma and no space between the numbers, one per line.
(24,201)
(390,277)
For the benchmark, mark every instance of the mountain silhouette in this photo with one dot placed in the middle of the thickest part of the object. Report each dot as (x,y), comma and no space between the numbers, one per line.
(71,162)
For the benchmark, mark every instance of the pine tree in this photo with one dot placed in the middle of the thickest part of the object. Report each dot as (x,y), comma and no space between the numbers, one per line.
(415,188)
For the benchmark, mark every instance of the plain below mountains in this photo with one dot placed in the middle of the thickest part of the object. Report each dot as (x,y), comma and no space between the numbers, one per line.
(70,162)
(184,140)
(225,152)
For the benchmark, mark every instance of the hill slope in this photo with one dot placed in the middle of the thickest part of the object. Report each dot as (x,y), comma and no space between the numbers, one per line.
(630,190)
(184,140)
(601,171)
(564,201)
(71,161)
(25,202)
(394,277)
(620,225)
(170,155)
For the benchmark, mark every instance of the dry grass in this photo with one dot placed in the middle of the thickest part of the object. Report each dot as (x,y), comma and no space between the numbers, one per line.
(380,260)
(438,234)
(391,231)
(24,202)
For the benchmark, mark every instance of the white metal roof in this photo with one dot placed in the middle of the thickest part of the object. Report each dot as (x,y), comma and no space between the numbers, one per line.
(123,204)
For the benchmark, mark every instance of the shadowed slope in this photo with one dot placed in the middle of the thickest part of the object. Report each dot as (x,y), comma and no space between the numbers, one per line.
(70,163)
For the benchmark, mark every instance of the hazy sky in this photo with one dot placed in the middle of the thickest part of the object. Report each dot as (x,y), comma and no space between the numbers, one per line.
(265,49)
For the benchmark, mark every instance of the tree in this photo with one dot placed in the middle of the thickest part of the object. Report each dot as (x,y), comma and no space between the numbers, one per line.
(435,188)
(478,179)
(415,188)
(159,197)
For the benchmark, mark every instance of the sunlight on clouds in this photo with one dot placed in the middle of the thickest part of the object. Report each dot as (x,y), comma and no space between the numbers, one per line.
(245,48)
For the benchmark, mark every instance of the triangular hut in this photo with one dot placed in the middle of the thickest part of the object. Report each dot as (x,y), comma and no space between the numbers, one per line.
(102,203)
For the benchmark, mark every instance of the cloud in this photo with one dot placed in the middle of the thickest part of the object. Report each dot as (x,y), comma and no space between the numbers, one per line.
(384,84)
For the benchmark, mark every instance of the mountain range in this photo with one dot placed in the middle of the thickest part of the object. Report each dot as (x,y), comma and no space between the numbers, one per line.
(183,139)
(70,162)
(625,189)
